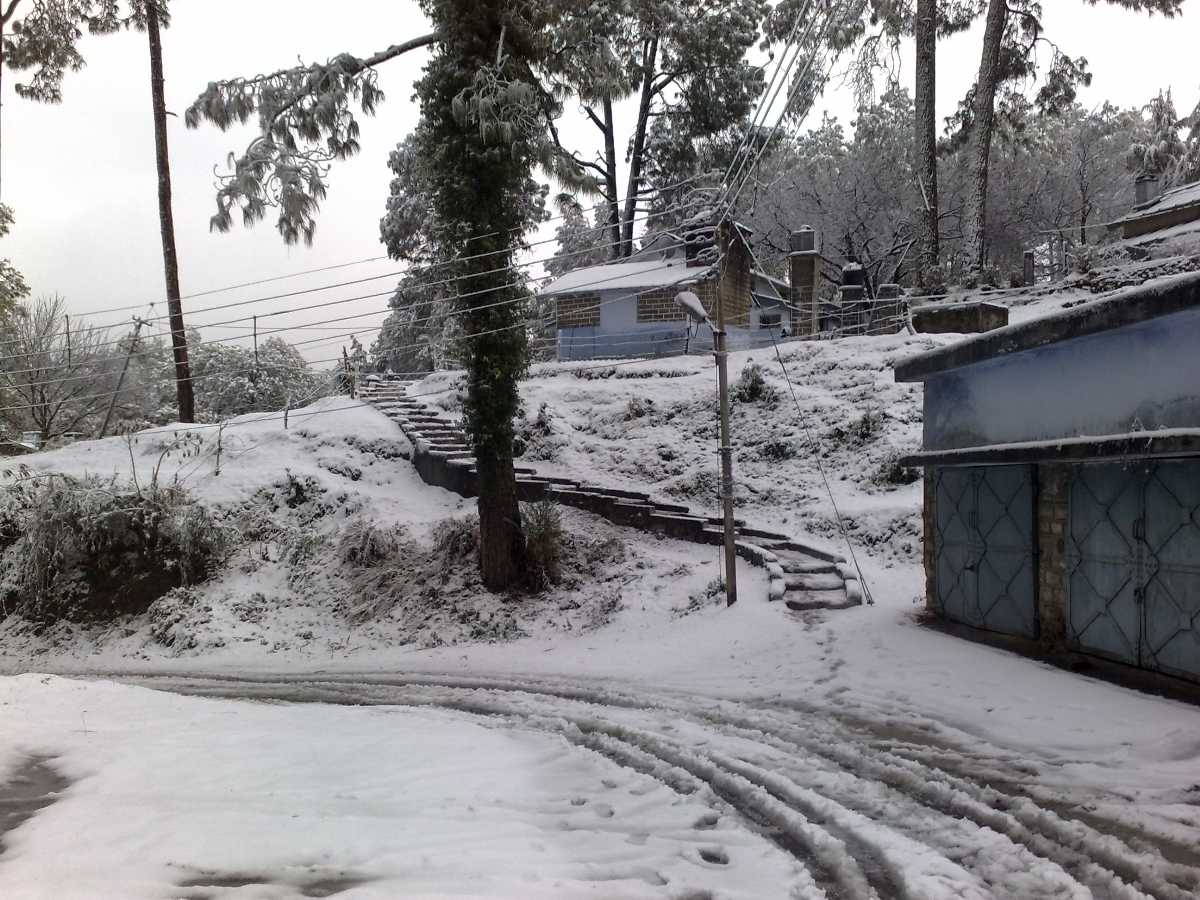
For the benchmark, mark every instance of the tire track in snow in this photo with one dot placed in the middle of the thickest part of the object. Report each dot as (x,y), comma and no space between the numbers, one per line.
(850,850)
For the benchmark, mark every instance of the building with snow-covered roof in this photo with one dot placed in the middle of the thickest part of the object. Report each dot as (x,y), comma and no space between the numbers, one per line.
(1062,478)
(627,308)
(1156,210)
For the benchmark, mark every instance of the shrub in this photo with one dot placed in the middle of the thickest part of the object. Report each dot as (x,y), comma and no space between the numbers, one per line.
(776,449)
(868,426)
(93,549)
(543,543)
(537,438)
(752,386)
(457,538)
(890,472)
(930,281)
(638,407)
(363,543)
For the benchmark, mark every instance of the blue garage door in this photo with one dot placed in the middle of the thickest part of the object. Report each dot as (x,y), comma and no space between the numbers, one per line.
(1133,563)
(984,547)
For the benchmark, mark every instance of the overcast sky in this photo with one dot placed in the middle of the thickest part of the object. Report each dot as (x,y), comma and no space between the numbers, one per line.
(81,176)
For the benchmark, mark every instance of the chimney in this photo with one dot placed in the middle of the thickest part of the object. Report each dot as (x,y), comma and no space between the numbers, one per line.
(804,272)
(1146,188)
(855,309)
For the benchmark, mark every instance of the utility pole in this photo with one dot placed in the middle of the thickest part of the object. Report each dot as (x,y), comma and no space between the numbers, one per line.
(183,374)
(137,329)
(721,353)
(349,374)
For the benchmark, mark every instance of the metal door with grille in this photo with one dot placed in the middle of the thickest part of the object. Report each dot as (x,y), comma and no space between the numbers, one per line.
(984,547)
(1133,564)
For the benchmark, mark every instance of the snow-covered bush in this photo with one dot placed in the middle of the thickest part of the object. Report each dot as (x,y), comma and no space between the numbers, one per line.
(752,386)
(536,438)
(543,543)
(91,549)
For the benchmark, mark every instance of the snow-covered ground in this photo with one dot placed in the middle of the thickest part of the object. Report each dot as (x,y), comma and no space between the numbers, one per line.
(844,754)
(171,796)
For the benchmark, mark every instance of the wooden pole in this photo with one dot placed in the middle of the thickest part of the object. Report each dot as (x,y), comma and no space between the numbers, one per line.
(183,375)
(721,353)
(112,403)
(68,318)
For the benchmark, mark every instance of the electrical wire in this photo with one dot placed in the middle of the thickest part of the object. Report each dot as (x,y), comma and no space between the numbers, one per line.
(689,274)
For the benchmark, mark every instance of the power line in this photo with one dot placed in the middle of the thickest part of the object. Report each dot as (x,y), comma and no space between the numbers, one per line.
(405,271)
(688,274)
(356,298)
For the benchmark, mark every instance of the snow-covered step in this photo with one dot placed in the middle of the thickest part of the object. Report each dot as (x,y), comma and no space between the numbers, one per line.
(804,601)
(808,566)
(824,581)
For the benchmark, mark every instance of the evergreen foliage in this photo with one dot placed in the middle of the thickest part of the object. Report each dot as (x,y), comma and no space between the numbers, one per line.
(12,283)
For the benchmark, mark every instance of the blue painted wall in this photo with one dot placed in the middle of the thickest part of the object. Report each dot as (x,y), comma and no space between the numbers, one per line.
(621,335)
(1142,377)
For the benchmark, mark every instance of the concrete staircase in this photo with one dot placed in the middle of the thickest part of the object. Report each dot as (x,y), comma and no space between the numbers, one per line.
(802,576)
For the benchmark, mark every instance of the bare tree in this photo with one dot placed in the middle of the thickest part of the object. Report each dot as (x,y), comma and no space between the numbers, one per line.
(56,379)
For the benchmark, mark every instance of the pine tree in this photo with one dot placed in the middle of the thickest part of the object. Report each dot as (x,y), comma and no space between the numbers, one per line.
(1012,36)
(45,40)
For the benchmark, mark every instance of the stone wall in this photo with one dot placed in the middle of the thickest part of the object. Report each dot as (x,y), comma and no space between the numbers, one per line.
(1053,487)
(959,318)
(929,540)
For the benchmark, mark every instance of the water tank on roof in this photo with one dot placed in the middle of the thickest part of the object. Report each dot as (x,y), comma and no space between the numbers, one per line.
(853,275)
(802,240)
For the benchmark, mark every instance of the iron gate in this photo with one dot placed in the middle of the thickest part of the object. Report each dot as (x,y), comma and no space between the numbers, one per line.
(1133,564)
(984,546)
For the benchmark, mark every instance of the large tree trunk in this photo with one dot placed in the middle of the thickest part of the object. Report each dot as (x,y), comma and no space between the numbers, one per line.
(637,149)
(501,540)
(610,181)
(926,131)
(478,189)
(183,375)
(983,117)
(495,360)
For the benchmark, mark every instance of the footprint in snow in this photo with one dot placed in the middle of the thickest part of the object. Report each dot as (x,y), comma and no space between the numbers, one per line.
(714,856)
(604,811)
(707,822)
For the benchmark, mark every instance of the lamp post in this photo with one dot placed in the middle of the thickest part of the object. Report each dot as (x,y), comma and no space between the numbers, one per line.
(694,310)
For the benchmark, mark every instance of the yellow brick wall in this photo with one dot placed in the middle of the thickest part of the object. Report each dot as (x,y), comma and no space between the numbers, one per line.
(578,312)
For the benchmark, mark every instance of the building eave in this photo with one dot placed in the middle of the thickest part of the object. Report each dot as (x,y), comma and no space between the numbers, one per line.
(1175,442)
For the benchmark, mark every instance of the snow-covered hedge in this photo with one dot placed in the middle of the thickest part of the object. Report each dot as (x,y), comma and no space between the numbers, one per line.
(79,549)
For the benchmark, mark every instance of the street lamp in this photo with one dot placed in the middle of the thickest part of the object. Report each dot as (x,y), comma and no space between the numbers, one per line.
(694,310)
